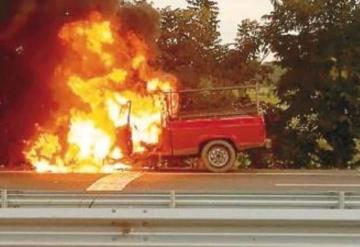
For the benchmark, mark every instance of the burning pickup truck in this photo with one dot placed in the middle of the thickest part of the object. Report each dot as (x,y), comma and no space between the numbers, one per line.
(214,133)
(119,109)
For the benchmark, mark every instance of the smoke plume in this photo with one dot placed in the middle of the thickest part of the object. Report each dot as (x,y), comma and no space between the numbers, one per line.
(29,52)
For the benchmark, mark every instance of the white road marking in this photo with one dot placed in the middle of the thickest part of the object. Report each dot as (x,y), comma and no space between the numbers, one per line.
(318,185)
(114,182)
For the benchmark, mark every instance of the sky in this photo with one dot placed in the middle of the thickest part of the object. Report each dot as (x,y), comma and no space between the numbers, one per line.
(231,13)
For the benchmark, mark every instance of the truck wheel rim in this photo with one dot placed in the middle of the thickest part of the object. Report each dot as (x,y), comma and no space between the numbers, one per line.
(218,156)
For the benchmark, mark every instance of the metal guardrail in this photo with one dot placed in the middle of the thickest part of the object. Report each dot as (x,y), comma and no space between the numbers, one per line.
(178,227)
(326,200)
(178,219)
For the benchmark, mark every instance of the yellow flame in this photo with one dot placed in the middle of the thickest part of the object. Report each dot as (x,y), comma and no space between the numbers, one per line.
(108,75)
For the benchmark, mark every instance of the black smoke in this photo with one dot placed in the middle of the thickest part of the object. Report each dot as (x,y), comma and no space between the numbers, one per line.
(29,52)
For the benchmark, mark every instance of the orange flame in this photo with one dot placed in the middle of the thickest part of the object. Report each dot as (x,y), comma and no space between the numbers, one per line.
(103,82)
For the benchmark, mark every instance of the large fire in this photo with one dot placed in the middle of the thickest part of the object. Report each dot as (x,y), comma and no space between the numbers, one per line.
(112,101)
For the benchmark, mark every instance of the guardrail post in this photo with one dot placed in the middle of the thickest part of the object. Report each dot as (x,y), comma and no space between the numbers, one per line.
(341,200)
(4,202)
(172,199)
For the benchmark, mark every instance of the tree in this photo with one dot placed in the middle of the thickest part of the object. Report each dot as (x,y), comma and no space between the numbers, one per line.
(243,60)
(317,42)
(190,42)
(207,19)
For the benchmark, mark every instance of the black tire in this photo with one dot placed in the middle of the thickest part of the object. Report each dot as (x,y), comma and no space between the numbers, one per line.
(218,156)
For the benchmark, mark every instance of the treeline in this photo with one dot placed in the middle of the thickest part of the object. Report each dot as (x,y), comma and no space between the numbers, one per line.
(312,101)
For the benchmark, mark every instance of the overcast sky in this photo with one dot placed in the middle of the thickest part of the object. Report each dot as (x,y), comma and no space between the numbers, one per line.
(231,13)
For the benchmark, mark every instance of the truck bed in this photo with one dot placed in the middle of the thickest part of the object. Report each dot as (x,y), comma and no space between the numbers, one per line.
(243,131)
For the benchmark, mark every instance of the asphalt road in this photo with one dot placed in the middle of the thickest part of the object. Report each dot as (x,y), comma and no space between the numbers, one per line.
(249,181)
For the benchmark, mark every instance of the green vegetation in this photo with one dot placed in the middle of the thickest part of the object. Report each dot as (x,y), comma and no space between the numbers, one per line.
(311,92)
(318,44)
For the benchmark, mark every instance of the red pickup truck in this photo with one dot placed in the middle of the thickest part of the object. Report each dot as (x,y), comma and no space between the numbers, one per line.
(214,136)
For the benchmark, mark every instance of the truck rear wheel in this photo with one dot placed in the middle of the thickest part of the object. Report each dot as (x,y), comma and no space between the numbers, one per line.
(218,156)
